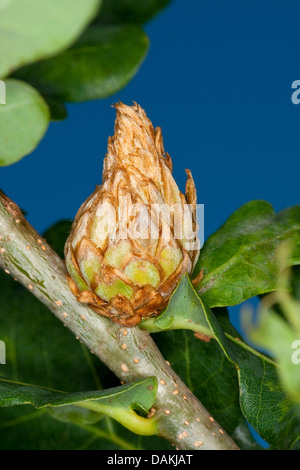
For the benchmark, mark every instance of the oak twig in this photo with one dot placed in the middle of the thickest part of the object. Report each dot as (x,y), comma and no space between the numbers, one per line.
(129,352)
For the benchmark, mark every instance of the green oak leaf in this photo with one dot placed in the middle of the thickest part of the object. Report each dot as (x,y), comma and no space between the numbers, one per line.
(239,259)
(261,397)
(24,120)
(211,377)
(31,30)
(119,403)
(184,311)
(99,64)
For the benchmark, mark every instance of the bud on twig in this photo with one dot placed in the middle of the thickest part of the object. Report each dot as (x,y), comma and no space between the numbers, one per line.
(135,236)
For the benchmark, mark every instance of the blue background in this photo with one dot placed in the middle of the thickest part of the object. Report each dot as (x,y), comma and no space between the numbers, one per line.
(217,79)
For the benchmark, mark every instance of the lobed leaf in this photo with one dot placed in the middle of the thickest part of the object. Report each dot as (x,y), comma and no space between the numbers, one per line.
(239,259)
(101,62)
(211,377)
(261,397)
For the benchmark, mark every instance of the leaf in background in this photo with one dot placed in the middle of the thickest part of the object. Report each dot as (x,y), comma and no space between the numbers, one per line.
(277,330)
(120,403)
(262,400)
(211,377)
(102,61)
(239,259)
(23,121)
(129,11)
(34,29)
(202,366)
(40,351)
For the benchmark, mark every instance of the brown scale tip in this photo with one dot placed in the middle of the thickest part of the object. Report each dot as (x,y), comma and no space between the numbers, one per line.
(136,143)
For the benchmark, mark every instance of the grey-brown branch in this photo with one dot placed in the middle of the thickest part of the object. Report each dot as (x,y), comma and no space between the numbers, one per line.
(129,352)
